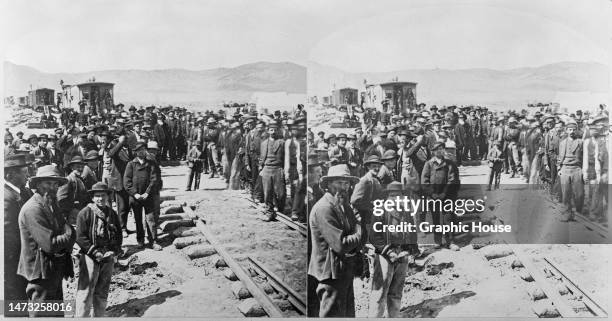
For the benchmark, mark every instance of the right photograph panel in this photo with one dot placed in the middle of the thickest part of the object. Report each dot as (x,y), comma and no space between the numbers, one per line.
(458,161)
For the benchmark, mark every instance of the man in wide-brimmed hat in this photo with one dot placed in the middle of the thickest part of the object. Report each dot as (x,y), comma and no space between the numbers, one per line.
(99,238)
(393,251)
(72,197)
(387,172)
(15,177)
(46,241)
(92,171)
(337,236)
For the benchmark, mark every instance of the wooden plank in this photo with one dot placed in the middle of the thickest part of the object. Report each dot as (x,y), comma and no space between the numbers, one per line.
(587,300)
(295,298)
(271,309)
(552,293)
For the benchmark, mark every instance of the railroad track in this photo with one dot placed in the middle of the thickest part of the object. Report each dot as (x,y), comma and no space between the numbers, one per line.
(598,228)
(261,293)
(300,227)
(554,293)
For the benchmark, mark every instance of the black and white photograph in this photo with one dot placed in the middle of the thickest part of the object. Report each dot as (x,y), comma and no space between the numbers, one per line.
(306,159)
(154,159)
(503,103)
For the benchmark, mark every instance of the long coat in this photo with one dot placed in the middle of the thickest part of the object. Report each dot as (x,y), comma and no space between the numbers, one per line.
(43,234)
(333,235)
(440,177)
(367,190)
(14,285)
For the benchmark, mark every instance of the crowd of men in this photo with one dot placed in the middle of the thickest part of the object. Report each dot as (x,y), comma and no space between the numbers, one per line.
(79,184)
(418,154)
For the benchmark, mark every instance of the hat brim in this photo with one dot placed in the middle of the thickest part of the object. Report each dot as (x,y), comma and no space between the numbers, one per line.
(326,179)
(108,191)
(35,180)
(379,162)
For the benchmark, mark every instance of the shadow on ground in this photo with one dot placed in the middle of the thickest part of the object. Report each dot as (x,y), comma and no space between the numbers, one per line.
(137,307)
(432,307)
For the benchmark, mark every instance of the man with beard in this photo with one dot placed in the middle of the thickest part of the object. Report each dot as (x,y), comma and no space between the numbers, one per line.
(46,241)
(115,156)
(15,178)
(387,173)
(253,146)
(99,237)
(72,197)
(141,181)
(271,161)
(512,147)
(337,236)
(210,136)
(569,163)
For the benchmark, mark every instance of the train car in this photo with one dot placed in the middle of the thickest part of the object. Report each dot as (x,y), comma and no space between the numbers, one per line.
(396,97)
(38,99)
(344,97)
(96,97)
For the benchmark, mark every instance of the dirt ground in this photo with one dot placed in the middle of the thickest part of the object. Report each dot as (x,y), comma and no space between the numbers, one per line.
(168,284)
(468,285)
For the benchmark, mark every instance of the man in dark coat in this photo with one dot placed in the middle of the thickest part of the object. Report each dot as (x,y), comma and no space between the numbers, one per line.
(337,235)
(440,180)
(15,178)
(46,241)
(115,156)
(159,134)
(141,181)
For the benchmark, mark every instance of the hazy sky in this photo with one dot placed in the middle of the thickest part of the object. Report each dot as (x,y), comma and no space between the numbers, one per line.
(78,36)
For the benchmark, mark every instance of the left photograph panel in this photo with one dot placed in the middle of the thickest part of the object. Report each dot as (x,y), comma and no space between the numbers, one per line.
(154,160)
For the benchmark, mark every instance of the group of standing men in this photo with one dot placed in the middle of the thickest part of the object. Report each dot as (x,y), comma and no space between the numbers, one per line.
(417,156)
(79,184)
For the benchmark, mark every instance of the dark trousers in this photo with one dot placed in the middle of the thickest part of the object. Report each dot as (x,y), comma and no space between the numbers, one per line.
(442,218)
(494,174)
(255,180)
(150,221)
(336,297)
(460,154)
(572,187)
(14,285)
(298,202)
(123,206)
(172,149)
(41,290)
(273,181)
(194,173)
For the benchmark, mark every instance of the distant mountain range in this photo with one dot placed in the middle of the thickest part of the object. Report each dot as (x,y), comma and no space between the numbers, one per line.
(559,82)
(171,86)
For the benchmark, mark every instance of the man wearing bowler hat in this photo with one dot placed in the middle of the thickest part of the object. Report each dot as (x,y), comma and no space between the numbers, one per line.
(46,241)
(15,178)
(99,237)
(337,236)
